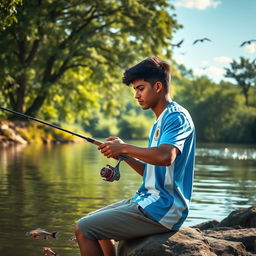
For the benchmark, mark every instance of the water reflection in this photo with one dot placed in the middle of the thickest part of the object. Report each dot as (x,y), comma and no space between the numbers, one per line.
(222,151)
(52,186)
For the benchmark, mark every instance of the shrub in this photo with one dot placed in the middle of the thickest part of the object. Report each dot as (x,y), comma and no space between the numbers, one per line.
(134,127)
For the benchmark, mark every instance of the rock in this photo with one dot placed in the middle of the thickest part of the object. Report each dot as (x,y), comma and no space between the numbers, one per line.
(242,217)
(207,225)
(212,238)
(247,236)
(9,135)
(226,248)
(187,241)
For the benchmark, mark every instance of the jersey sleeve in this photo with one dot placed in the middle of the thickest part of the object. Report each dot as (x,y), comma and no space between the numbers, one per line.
(176,129)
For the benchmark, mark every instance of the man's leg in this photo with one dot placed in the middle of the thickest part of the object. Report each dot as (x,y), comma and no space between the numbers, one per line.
(108,247)
(122,221)
(87,246)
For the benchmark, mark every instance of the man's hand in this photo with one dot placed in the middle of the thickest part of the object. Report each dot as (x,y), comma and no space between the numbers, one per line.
(112,147)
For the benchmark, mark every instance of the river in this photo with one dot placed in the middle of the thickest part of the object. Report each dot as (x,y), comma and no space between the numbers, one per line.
(51,186)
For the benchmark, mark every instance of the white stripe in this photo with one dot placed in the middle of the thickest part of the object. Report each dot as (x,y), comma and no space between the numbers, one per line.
(149,200)
(174,214)
(184,199)
(168,180)
(151,181)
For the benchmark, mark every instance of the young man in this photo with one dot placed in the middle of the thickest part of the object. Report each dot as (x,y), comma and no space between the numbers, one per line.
(167,165)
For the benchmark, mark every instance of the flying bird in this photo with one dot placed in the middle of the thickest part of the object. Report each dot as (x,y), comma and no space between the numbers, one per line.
(247,42)
(179,43)
(201,40)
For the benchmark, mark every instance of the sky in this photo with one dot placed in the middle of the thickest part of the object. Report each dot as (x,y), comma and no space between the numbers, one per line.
(227,23)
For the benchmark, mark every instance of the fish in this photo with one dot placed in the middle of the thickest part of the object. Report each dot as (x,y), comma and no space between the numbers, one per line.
(48,251)
(41,233)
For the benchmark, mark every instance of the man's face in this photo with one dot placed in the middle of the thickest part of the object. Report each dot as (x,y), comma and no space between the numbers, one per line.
(145,93)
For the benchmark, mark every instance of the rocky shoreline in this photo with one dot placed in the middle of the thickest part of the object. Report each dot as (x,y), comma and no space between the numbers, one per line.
(235,235)
(13,133)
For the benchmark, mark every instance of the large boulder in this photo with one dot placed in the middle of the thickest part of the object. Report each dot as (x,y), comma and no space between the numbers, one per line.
(211,238)
(187,241)
(245,218)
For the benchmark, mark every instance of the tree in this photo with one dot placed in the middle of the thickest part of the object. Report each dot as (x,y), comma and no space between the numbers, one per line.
(244,72)
(8,12)
(101,36)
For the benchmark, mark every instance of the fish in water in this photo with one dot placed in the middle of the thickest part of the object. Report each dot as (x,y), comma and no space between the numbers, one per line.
(40,233)
(48,251)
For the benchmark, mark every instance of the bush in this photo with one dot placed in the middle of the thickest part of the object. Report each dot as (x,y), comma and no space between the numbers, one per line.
(134,127)
(243,127)
(105,128)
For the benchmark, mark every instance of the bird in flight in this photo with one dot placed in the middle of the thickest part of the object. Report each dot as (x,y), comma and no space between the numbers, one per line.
(179,43)
(201,40)
(247,42)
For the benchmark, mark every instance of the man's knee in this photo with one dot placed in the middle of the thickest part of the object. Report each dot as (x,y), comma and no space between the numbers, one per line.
(78,232)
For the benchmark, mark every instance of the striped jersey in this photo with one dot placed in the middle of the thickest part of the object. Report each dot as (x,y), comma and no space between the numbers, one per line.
(166,190)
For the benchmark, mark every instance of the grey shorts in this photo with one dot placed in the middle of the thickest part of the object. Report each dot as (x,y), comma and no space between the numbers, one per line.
(119,221)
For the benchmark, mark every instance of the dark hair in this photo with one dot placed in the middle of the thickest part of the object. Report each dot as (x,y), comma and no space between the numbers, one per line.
(151,70)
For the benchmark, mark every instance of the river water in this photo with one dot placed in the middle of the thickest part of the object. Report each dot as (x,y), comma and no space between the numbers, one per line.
(52,186)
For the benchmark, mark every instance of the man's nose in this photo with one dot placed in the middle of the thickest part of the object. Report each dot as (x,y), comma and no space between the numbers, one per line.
(137,95)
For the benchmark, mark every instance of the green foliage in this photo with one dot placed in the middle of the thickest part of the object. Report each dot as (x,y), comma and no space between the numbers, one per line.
(70,48)
(37,133)
(133,126)
(214,114)
(8,12)
(244,73)
(218,110)
(242,127)
(101,126)
(32,134)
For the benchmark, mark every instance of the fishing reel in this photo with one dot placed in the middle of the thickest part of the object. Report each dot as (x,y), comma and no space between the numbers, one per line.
(110,173)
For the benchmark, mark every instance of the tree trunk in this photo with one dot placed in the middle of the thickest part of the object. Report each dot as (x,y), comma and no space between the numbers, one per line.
(246,100)
(37,104)
(22,81)
(246,95)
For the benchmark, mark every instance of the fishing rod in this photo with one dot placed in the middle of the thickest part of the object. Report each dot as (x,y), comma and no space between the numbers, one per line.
(109,173)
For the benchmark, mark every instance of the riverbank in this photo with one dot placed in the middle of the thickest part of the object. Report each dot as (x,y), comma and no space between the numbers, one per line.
(234,235)
(20,132)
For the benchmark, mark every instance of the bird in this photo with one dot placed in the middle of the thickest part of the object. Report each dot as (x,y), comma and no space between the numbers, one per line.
(201,40)
(247,42)
(179,43)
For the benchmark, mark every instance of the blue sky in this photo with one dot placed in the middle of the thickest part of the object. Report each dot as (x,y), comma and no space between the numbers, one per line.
(227,23)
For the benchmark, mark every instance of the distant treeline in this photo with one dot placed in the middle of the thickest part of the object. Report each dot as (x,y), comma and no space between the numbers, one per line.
(218,110)
(62,61)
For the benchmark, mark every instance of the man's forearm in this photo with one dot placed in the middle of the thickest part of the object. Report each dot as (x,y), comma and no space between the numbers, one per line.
(137,165)
(163,155)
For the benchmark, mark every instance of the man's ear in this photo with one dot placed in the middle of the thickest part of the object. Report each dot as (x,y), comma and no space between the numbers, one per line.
(159,86)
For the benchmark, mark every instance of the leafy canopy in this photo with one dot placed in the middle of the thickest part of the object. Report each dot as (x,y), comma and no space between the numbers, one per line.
(56,44)
(244,73)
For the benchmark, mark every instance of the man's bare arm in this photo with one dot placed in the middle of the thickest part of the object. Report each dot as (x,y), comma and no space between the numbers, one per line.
(162,155)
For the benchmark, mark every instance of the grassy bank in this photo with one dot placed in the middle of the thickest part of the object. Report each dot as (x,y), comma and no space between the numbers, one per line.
(30,132)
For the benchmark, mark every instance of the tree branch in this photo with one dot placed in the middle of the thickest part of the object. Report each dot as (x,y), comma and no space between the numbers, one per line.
(33,51)
(75,32)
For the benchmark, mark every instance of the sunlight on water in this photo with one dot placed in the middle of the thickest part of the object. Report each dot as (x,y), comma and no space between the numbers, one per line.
(236,153)
(53,186)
